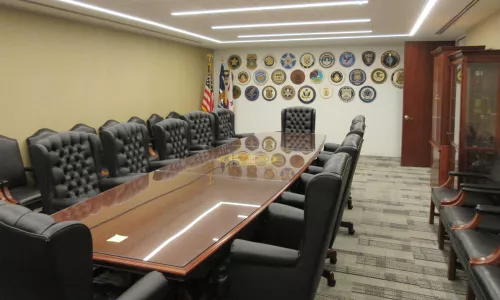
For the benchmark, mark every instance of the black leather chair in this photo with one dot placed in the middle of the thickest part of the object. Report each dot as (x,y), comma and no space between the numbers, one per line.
(356,128)
(224,126)
(45,260)
(266,271)
(201,130)
(151,121)
(447,193)
(358,118)
(298,119)
(108,124)
(39,135)
(173,115)
(171,138)
(68,165)
(83,128)
(126,150)
(137,120)
(484,281)
(13,181)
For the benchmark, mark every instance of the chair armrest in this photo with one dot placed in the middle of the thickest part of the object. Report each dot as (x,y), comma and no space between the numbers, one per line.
(293,199)
(314,169)
(331,147)
(306,178)
(467,174)
(109,183)
(262,254)
(199,147)
(480,186)
(154,165)
(488,210)
(243,135)
(4,189)
(481,191)
(153,286)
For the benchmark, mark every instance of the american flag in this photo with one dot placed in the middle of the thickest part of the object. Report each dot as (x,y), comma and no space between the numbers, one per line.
(208,101)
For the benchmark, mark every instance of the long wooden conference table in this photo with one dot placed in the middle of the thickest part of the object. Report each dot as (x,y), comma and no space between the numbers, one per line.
(174,218)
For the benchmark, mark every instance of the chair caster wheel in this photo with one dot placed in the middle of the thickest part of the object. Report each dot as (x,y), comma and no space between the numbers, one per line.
(350,207)
(351,232)
(330,278)
(331,282)
(333,260)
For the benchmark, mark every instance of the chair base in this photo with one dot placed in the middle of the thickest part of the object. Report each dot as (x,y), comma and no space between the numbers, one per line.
(330,278)
(349,226)
(332,255)
(452,265)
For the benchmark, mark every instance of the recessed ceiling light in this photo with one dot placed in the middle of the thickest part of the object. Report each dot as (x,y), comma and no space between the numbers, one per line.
(292,24)
(136,19)
(276,7)
(317,38)
(423,16)
(303,33)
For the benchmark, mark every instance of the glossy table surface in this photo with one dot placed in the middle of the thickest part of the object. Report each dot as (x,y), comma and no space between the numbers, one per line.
(172,219)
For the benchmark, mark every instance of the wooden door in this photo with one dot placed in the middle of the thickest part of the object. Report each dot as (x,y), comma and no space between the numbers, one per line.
(417,103)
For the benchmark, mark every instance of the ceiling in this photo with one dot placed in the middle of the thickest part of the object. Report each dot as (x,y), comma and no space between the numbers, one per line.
(387,17)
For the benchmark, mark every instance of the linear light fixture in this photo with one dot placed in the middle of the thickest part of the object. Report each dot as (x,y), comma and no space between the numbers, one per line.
(425,13)
(303,33)
(261,8)
(317,38)
(292,24)
(136,19)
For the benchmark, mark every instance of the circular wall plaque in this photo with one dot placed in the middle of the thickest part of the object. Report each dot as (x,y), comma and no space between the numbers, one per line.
(347,59)
(307,94)
(337,77)
(316,76)
(346,94)
(379,76)
(260,77)
(252,93)
(326,60)
(234,61)
(357,77)
(269,93)
(298,77)
(307,60)
(390,59)
(367,94)
(243,77)
(288,92)
(398,78)
(278,77)
(269,61)
(236,92)
(288,61)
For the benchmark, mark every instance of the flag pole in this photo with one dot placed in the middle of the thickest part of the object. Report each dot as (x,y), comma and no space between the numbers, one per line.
(210,57)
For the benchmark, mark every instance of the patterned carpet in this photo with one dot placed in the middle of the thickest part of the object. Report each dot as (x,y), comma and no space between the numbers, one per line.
(394,252)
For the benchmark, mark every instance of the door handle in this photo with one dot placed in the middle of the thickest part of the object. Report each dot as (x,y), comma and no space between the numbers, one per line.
(407,118)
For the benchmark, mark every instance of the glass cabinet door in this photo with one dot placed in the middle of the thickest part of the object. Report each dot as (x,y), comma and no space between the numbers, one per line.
(456,86)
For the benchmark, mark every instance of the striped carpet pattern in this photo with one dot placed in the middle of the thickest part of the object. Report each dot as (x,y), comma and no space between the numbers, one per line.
(394,252)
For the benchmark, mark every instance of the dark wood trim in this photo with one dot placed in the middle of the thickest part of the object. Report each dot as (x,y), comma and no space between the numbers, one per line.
(470,293)
(472,224)
(183,271)
(442,49)
(492,259)
(152,152)
(8,195)
(454,200)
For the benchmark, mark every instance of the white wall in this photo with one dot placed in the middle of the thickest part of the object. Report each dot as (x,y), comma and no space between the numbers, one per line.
(333,117)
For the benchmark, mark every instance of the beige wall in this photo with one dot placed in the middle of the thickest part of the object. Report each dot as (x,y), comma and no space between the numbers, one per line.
(55,73)
(485,33)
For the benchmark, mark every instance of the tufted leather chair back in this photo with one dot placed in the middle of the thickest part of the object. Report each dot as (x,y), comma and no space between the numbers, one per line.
(83,128)
(137,120)
(152,120)
(224,123)
(173,115)
(298,119)
(125,148)
(71,164)
(39,135)
(107,124)
(201,127)
(11,163)
(171,139)
(42,259)
(358,128)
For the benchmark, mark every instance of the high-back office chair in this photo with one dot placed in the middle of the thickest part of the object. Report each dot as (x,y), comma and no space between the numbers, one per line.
(224,125)
(83,128)
(172,139)
(358,118)
(68,165)
(298,119)
(126,150)
(150,122)
(108,124)
(173,115)
(263,271)
(40,134)
(137,120)
(201,130)
(357,127)
(13,181)
(45,260)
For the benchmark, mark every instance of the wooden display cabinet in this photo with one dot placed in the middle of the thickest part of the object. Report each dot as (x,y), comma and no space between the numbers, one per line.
(441,151)
(474,123)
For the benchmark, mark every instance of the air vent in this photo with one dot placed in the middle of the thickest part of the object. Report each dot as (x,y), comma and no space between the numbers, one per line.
(458,16)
